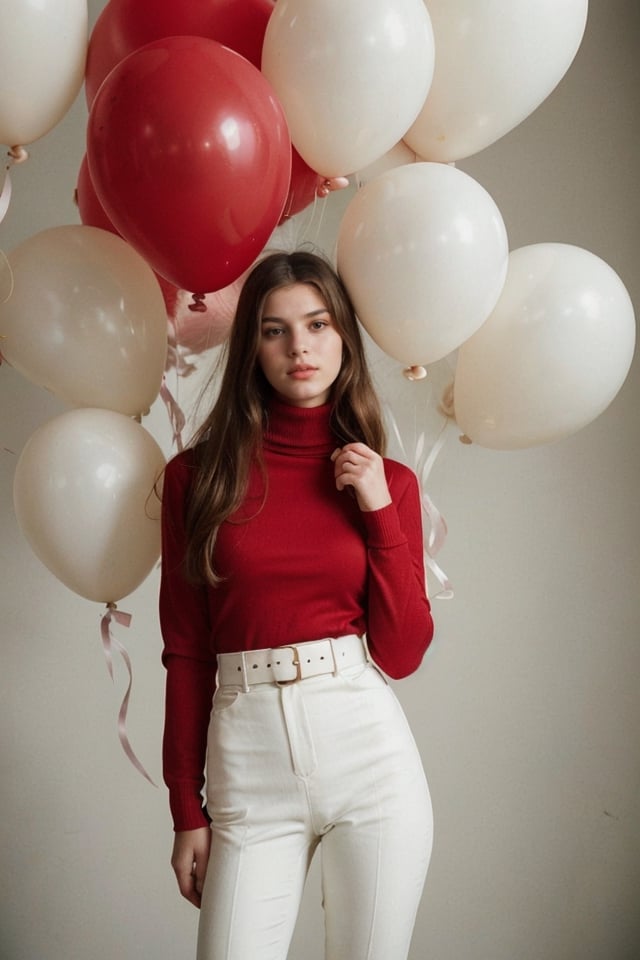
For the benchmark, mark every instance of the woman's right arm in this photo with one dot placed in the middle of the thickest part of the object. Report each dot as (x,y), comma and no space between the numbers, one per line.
(187,656)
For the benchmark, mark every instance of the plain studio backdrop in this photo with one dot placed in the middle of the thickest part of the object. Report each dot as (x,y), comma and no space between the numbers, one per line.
(526,709)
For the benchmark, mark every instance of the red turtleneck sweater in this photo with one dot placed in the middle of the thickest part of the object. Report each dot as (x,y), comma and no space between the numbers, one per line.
(305,565)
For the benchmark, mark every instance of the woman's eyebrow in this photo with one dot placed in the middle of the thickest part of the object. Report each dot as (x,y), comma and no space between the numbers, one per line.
(312,313)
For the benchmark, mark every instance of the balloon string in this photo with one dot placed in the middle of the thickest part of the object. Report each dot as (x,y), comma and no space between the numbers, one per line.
(176,415)
(176,354)
(177,358)
(310,227)
(109,644)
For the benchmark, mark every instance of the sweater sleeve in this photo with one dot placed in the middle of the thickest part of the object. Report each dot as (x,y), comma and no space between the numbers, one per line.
(188,658)
(399,623)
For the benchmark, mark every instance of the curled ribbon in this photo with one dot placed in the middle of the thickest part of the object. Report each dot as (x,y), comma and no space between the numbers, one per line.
(5,195)
(435,540)
(109,644)
(16,154)
(176,415)
(4,263)
(423,461)
(176,354)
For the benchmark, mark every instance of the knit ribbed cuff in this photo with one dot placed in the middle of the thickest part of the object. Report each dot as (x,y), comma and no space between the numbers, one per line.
(186,810)
(383,527)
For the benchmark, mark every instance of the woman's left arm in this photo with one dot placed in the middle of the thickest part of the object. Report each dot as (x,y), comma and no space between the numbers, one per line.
(399,623)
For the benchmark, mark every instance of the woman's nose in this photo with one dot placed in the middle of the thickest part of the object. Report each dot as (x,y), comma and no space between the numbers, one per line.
(297,345)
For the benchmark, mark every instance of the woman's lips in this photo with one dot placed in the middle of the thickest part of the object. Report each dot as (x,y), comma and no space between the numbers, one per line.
(302,373)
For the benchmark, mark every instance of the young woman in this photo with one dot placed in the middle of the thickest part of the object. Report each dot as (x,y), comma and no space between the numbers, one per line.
(292,579)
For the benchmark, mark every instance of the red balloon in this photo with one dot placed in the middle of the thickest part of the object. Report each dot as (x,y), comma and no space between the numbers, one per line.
(92,215)
(190,157)
(302,192)
(89,207)
(195,331)
(303,186)
(126,25)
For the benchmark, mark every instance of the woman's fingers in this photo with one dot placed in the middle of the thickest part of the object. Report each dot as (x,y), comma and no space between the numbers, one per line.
(357,466)
(189,861)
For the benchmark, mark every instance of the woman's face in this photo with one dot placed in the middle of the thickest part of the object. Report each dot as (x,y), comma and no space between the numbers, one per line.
(300,351)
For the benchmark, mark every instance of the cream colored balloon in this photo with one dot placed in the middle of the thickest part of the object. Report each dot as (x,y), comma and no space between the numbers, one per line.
(423,252)
(85,501)
(496,61)
(86,319)
(43,47)
(351,77)
(552,355)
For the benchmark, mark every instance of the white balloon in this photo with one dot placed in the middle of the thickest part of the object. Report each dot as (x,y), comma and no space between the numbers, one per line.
(351,77)
(398,156)
(552,355)
(86,319)
(496,61)
(85,501)
(43,47)
(423,252)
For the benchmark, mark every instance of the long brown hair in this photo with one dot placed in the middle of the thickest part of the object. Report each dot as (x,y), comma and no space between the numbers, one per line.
(231,435)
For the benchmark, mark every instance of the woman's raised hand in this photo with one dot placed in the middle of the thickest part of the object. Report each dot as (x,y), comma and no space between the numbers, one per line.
(357,465)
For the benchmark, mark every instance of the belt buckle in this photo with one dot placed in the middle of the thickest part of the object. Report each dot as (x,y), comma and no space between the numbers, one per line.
(295,663)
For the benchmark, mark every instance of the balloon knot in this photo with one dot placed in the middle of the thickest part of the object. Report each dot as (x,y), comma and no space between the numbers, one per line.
(18,154)
(198,305)
(415,373)
(330,184)
(463,438)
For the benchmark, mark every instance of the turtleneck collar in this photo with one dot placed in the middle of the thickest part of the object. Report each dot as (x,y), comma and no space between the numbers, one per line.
(302,431)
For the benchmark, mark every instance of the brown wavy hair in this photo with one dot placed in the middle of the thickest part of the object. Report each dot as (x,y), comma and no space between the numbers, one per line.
(230,438)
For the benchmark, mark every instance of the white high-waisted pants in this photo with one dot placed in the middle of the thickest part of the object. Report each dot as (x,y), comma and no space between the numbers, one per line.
(327,760)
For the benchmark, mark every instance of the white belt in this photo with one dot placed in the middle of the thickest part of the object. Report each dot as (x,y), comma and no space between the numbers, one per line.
(290,663)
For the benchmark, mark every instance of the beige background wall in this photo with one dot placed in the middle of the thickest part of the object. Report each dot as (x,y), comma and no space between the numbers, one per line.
(526,709)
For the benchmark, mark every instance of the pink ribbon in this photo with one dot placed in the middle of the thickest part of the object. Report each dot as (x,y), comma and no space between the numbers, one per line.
(176,415)
(109,644)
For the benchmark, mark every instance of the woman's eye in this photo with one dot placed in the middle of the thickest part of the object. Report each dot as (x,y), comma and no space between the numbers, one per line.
(319,324)
(272,332)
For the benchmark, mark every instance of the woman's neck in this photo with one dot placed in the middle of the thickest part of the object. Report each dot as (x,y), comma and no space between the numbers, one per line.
(303,430)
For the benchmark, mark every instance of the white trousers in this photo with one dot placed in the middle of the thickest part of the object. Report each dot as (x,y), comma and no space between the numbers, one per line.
(330,761)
